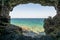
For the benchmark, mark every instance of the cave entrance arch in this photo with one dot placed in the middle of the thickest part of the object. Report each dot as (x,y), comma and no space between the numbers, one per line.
(43,9)
(7,5)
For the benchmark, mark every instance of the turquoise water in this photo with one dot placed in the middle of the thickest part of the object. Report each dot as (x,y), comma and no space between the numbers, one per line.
(34,24)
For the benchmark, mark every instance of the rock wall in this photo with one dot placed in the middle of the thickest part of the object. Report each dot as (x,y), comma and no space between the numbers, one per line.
(51,26)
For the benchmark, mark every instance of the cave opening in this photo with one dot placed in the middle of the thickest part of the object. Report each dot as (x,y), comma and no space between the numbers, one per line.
(31,16)
(51,24)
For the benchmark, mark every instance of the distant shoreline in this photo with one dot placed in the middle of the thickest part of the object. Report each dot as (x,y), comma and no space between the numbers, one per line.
(28,18)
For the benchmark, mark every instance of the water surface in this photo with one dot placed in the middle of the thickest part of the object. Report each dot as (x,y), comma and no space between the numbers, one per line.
(31,24)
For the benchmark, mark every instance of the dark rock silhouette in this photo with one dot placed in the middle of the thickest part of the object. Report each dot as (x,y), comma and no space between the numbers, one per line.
(52,26)
(12,32)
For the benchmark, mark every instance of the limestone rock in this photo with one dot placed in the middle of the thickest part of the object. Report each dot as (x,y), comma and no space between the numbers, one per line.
(52,26)
(10,32)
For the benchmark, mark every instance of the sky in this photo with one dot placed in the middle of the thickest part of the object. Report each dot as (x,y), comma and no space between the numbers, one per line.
(32,11)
